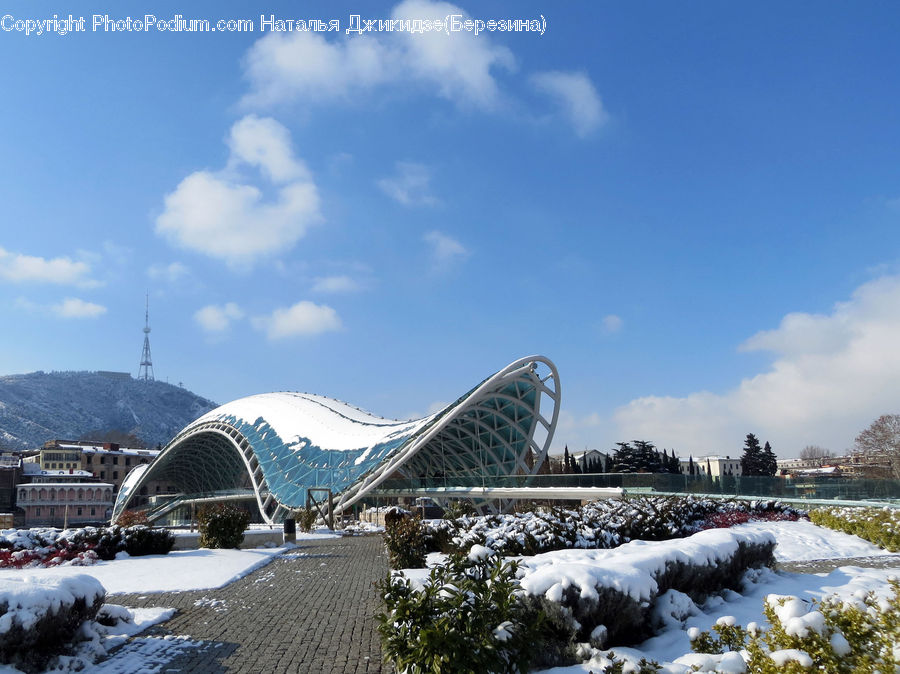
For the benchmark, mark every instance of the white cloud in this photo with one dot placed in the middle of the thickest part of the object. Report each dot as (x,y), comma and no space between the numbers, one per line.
(576,97)
(612,324)
(305,66)
(224,217)
(832,375)
(20,268)
(217,319)
(445,250)
(265,143)
(410,185)
(335,284)
(460,64)
(304,319)
(172,272)
(73,307)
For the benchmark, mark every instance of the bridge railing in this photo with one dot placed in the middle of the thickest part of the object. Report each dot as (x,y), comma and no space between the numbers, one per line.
(793,488)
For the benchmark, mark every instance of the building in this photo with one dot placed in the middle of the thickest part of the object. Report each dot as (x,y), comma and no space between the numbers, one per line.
(274,448)
(62,497)
(711,466)
(104,461)
(10,476)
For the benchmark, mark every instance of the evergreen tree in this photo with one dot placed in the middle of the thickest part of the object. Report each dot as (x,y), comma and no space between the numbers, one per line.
(752,460)
(566,461)
(769,463)
(624,459)
(691,469)
(708,469)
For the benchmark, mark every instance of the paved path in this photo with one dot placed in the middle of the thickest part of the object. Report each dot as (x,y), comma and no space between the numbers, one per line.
(310,610)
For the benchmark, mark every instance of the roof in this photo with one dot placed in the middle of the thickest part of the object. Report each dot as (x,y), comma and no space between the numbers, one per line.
(280,445)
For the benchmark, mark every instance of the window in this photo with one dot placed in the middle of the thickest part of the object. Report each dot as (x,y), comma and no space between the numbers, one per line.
(93,511)
(90,459)
(79,512)
(102,474)
(116,460)
(37,511)
(127,460)
(22,495)
(115,475)
(52,511)
(102,459)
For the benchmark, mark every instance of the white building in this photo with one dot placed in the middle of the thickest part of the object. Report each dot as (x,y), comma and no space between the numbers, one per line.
(711,466)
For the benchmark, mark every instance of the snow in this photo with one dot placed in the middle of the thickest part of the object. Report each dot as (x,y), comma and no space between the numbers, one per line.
(30,598)
(301,418)
(796,541)
(631,568)
(180,570)
(802,541)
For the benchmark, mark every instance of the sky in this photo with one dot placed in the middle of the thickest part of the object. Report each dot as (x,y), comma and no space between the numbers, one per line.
(692,209)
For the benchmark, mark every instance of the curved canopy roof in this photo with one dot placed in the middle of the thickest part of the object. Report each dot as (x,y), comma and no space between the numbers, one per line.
(282,444)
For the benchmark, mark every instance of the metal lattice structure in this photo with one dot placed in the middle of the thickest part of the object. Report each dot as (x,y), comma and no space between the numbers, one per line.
(145,371)
(278,446)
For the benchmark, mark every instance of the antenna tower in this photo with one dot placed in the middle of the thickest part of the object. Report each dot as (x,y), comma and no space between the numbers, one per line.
(146,370)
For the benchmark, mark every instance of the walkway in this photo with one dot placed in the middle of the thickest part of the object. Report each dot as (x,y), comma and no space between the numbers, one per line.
(310,610)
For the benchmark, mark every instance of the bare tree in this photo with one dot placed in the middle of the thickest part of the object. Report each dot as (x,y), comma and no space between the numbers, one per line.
(881,440)
(815,453)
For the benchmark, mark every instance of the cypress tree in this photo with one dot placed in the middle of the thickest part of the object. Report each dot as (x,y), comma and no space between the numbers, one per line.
(769,464)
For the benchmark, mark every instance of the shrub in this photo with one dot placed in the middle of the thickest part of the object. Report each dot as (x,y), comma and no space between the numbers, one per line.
(43,616)
(306,518)
(828,635)
(131,518)
(141,540)
(880,526)
(459,508)
(466,618)
(405,540)
(222,526)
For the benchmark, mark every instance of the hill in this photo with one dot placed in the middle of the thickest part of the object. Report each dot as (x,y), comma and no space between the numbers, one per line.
(42,406)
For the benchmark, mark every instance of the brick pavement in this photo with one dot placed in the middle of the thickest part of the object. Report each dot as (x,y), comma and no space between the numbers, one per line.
(310,610)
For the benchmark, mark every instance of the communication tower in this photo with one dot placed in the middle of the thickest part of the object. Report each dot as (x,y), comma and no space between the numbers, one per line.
(146,370)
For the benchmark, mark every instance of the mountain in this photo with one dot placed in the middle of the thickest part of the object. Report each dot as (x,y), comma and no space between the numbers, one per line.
(42,406)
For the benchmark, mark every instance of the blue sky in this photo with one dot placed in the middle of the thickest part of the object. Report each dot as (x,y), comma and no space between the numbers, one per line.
(693,209)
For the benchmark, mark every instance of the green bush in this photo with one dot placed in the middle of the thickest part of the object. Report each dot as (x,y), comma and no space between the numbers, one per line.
(455,509)
(222,526)
(854,637)
(466,618)
(141,540)
(405,540)
(880,526)
(306,518)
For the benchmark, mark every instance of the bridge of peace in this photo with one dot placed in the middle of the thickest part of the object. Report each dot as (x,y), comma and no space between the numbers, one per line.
(284,451)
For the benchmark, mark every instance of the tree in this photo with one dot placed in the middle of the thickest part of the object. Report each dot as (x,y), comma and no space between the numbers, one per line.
(567,461)
(816,454)
(882,440)
(624,459)
(752,460)
(768,464)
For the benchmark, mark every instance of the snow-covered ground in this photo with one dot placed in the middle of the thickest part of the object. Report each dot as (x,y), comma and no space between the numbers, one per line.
(796,541)
(180,570)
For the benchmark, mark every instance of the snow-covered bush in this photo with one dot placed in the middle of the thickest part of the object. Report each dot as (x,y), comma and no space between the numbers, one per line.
(404,537)
(25,548)
(467,617)
(609,598)
(601,524)
(222,526)
(831,635)
(142,540)
(40,615)
(880,526)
